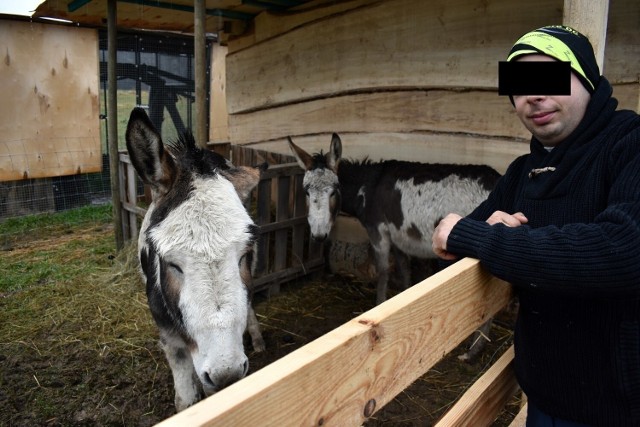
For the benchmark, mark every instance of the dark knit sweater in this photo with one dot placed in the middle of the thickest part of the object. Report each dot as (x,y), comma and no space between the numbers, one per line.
(575,266)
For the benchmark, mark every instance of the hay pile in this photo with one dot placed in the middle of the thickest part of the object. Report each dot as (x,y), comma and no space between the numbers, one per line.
(81,349)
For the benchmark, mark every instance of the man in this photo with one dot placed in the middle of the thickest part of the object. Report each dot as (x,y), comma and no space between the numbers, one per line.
(563,226)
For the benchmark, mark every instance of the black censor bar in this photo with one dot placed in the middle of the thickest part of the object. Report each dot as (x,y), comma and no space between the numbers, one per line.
(534,78)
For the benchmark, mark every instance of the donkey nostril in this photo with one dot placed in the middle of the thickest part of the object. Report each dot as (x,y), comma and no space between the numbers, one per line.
(207,380)
(245,368)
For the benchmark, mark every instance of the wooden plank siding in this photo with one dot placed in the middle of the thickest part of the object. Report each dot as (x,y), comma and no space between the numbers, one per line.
(278,207)
(417,75)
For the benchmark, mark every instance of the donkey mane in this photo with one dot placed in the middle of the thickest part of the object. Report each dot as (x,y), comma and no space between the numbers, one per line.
(350,170)
(319,161)
(190,156)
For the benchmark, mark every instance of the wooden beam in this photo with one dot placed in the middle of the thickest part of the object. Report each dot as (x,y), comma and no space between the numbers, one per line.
(482,402)
(521,418)
(200,54)
(218,116)
(348,374)
(590,18)
(112,120)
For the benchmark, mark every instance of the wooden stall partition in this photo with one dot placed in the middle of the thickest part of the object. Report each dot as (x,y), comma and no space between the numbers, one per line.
(285,250)
(132,211)
(348,374)
(481,403)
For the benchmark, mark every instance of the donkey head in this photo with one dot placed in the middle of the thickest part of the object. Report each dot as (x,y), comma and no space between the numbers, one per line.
(321,186)
(193,244)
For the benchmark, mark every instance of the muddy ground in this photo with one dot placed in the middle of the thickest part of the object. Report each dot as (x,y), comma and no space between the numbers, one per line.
(84,352)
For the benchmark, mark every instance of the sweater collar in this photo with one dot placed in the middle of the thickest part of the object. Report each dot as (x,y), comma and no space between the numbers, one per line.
(599,111)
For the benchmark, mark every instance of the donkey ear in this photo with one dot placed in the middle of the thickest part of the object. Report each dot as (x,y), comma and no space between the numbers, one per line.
(152,162)
(244,179)
(304,159)
(335,151)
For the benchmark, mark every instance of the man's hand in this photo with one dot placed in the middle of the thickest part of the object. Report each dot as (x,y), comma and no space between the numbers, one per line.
(441,234)
(442,231)
(515,220)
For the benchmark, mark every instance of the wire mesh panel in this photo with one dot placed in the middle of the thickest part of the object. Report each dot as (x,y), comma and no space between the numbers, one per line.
(155,71)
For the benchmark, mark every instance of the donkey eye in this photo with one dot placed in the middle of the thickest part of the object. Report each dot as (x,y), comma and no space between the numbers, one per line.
(175,267)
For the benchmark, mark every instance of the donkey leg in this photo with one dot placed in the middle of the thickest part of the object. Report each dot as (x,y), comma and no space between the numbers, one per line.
(479,340)
(381,247)
(187,387)
(403,267)
(253,327)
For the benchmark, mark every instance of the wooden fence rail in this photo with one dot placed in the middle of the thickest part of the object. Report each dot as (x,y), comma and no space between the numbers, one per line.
(345,376)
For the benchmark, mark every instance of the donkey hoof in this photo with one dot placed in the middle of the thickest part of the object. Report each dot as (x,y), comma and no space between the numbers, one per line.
(258,345)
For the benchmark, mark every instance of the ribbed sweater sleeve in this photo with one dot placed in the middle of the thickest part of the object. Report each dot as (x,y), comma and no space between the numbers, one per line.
(601,257)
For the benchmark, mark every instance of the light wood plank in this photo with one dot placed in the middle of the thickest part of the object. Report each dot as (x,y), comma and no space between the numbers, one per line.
(417,147)
(473,112)
(521,418)
(218,115)
(590,18)
(622,53)
(269,24)
(351,372)
(482,402)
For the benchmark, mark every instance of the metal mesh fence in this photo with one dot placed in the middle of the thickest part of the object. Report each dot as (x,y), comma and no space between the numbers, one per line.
(154,71)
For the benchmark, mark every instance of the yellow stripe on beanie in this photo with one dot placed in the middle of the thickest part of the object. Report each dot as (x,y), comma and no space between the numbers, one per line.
(548,45)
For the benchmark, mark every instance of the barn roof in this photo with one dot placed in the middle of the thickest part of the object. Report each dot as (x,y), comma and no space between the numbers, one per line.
(230,16)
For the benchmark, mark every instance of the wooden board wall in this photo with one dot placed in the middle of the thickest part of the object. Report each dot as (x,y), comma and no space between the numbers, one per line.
(49,124)
(396,76)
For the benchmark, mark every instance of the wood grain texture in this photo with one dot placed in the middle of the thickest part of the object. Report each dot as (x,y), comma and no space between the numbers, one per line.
(49,117)
(385,45)
(415,146)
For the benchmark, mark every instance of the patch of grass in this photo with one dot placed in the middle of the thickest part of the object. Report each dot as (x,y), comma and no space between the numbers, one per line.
(30,226)
(54,248)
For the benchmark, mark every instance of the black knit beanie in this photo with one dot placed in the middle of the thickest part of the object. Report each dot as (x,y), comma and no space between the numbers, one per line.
(564,44)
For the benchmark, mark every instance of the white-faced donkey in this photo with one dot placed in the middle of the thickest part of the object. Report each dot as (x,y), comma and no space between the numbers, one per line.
(195,249)
(399,204)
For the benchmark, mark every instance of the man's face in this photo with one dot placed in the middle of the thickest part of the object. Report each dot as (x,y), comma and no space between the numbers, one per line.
(552,118)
